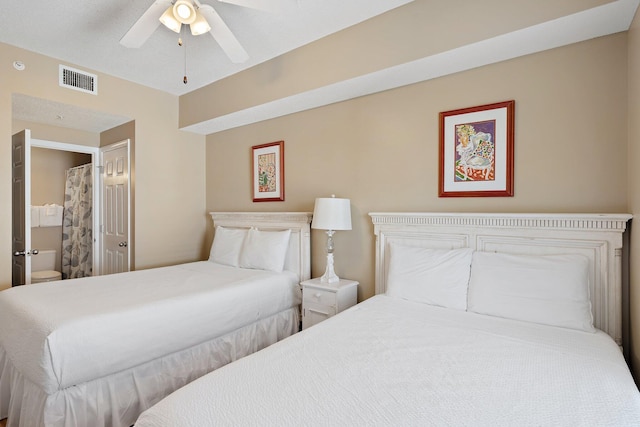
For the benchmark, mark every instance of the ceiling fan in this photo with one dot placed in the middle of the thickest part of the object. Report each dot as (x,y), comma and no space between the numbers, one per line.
(201,18)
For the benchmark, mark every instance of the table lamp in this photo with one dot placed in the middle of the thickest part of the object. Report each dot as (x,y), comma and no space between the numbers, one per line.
(331,214)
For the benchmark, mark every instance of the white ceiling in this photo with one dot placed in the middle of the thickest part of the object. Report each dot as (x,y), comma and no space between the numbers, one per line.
(38,110)
(88,37)
(87,34)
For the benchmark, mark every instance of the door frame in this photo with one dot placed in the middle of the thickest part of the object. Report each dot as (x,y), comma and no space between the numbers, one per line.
(97,186)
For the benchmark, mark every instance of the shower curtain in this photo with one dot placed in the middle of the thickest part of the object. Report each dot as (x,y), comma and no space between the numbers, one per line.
(77,223)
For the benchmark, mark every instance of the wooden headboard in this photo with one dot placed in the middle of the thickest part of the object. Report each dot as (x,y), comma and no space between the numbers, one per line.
(299,253)
(598,236)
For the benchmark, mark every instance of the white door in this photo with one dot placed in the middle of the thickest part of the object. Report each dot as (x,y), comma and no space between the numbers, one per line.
(21,205)
(115,196)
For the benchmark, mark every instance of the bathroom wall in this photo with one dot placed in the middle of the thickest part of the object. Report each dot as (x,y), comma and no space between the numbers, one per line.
(48,168)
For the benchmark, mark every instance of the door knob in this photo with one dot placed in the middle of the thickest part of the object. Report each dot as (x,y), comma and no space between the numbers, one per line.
(122,244)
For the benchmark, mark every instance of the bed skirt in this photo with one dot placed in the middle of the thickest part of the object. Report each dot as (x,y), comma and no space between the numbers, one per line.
(117,400)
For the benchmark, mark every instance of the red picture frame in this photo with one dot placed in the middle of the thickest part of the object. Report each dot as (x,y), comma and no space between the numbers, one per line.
(476,151)
(267,168)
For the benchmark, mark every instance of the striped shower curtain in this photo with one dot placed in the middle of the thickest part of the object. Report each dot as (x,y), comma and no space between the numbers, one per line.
(77,223)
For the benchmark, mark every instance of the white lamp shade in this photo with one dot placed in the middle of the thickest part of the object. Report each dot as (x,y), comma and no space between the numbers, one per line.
(170,21)
(200,25)
(332,214)
(184,11)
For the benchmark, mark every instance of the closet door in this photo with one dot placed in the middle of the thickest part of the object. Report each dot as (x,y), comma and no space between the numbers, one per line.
(115,190)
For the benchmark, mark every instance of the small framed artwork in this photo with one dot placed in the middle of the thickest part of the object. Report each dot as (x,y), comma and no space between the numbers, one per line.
(476,151)
(268,172)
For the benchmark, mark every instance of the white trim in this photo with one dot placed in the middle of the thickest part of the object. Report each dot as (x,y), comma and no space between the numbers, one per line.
(28,247)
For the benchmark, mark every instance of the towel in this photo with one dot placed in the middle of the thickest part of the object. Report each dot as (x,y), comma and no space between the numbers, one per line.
(35,216)
(51,215)
(50,210)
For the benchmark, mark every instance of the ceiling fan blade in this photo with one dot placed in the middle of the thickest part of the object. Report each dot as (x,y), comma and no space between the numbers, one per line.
(265,5)
(145,25)
(223,35)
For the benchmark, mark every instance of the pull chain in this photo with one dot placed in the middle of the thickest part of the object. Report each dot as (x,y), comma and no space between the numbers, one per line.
(181,44)
(184,80)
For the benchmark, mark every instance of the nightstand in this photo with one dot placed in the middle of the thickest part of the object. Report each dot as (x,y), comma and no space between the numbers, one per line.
(323,300)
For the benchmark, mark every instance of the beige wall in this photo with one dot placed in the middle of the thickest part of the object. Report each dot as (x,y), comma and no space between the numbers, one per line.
(381,151)
(48,168)
(57,133)
(634,187)
(414,31)
(170,221)
(120,133)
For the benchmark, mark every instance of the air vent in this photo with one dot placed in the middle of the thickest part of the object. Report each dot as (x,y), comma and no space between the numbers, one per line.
(78,80)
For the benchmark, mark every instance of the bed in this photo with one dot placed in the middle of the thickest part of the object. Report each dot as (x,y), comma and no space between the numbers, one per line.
(478,319)
(98,351)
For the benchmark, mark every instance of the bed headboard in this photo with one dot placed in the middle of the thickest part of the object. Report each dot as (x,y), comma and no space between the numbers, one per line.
(299,253)
(598,236)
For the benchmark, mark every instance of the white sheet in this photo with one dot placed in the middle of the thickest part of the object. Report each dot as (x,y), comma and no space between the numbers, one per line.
(66,333)
(118,399)
(389,361)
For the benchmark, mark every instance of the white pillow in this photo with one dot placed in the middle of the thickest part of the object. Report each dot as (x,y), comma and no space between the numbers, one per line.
(547,289)
(226,246)
(432,276)
(265,250)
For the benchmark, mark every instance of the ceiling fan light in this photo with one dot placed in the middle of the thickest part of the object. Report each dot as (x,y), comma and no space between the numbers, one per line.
(169,21)
(184,11)
(200,25)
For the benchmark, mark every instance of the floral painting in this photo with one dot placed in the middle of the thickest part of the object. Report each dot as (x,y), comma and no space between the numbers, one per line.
(268,172)
(474,160)
(476,151)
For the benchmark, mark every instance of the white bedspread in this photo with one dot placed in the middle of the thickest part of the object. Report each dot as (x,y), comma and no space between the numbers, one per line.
(390,362)
(65,333)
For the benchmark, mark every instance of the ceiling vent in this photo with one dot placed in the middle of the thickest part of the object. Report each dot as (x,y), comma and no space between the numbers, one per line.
(78,80)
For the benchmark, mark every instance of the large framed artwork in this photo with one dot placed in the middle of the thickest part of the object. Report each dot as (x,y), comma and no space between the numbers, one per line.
(476,151)
(268,172)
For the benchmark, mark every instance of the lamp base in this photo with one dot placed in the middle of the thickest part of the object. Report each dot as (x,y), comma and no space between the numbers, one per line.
(329,275)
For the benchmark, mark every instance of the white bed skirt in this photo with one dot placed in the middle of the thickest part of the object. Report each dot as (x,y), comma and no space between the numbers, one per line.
(96,403)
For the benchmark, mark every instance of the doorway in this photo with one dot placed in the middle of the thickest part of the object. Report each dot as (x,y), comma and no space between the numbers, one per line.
(57,119)
(61,214)
(22,244)
(23,214)
(78,152)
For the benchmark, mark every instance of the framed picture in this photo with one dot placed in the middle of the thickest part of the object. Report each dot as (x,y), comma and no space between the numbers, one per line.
(268,172)
(476,151)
